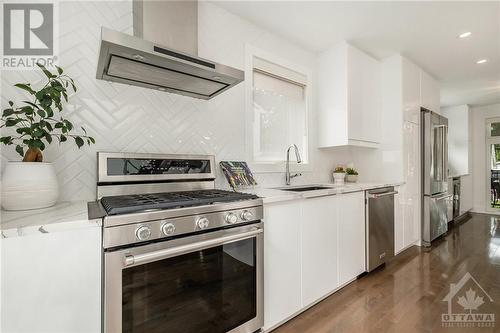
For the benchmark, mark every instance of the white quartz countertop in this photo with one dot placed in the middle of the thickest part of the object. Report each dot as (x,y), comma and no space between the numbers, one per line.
(270,195)
(62,216)
(74,215)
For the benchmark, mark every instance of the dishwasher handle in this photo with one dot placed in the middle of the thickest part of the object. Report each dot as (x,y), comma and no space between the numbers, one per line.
(381,195)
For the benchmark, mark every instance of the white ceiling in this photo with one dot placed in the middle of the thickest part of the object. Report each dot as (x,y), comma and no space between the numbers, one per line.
(425,32)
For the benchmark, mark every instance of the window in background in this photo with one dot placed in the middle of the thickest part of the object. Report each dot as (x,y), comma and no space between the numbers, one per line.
(493,156)
(280,112)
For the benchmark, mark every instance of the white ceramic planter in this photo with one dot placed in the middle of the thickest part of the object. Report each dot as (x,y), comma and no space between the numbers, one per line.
(351,178)
(29,185)
(338,178)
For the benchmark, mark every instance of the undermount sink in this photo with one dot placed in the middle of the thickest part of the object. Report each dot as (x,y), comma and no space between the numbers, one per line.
(305,188)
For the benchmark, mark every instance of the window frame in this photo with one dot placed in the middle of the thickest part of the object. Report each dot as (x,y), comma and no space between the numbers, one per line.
(490,140)
(252,52)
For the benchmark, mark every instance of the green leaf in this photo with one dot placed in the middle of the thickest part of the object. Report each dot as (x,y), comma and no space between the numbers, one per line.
(20,150)
(79,141)
(12,122)
(65,96)
(48,137)
(8,112)
(32,104)
(46,101)
(38,144)
(45,71)
(74,87)
(49,111)
(40,94)
(62,138)
(49,126)
(6,140)
(92,139)
(11,103)
(25,87)
(68,124)
(41,113)
(59,70)
(27,110)
(23,130)
(84,130)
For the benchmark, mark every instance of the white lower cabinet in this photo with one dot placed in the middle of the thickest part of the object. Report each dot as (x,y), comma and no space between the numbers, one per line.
(319,247)
(282,262)
(351,236)
(52,282)
(312,247)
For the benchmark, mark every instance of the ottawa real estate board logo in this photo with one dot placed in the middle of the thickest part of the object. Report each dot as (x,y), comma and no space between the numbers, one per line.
(468,305)
(28,35)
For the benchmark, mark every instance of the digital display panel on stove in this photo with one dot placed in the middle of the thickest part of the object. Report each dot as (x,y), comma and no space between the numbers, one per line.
(137,166)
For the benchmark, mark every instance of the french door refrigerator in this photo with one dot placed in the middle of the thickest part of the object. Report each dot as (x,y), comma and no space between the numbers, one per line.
(435,196)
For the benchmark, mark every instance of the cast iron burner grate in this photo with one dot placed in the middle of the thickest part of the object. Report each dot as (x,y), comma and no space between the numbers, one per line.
(126,204)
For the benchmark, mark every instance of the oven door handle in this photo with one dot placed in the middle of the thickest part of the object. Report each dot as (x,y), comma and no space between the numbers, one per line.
(139,259)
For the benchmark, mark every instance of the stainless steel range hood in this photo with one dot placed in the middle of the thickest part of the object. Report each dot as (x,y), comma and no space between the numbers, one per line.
(175,68)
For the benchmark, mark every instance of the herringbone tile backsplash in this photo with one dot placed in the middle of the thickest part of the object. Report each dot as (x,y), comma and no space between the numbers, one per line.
(133,119)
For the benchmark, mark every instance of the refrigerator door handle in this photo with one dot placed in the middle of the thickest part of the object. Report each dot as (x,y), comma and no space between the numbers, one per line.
(445,152)
(438,154)
(442,196)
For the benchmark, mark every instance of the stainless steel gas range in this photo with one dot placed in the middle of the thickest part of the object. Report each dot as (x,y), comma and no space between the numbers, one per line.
(179,255)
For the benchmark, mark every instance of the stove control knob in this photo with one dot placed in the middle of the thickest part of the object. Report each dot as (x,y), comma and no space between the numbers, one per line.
(202,223)
(143,233)
(231,218)
(168,229)
(246,215)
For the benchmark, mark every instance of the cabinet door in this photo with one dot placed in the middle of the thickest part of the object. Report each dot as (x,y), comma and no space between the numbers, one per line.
(411,91)
(319,247)
(52,282)
(364,97)
(412,187)
(282,268)
(351,236)
(399,231)
(429,92)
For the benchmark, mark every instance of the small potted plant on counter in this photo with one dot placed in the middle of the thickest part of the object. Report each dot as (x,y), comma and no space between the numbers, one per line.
(351,175)
(339,175)
(30,127)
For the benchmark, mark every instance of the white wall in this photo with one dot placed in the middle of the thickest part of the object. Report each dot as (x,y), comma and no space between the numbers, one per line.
(133,119)
(479,181)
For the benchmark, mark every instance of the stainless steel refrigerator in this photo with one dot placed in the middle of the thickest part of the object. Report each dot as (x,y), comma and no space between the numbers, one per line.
(435,196)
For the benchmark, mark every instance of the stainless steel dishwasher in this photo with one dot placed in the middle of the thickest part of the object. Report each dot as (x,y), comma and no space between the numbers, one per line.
(379,226)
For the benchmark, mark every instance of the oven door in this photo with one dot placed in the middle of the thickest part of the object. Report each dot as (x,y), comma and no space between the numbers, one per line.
(211,283)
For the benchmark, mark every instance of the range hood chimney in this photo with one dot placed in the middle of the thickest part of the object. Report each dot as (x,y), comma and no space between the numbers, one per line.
(163,53)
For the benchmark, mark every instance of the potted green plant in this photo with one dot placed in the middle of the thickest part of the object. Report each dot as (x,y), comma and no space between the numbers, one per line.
(339,175)
(351,175)
(30,126)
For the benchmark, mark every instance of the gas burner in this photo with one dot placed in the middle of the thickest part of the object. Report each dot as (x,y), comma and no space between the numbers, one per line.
(126,204)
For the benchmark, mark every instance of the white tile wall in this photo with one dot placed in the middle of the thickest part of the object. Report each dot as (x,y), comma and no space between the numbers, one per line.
(126,118)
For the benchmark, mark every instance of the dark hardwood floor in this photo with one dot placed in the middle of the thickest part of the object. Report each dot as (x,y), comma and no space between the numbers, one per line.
(407,295)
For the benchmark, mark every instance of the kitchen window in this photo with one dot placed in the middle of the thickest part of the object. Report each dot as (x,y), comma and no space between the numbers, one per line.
(279,97)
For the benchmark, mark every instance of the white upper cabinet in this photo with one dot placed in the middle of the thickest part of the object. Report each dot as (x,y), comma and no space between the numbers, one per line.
(459,139)
(429,92)
(350,98)
(411,91)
